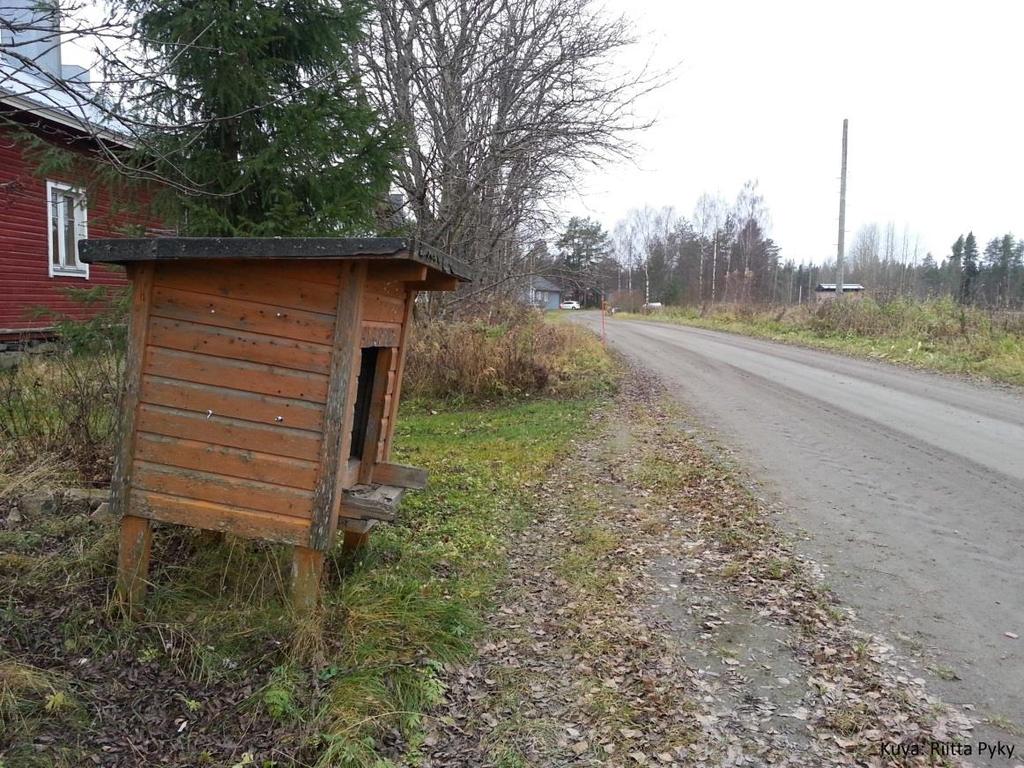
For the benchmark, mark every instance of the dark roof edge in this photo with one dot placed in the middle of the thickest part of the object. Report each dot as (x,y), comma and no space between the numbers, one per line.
(126,250)
(541,283)
(65,118)
(439,260)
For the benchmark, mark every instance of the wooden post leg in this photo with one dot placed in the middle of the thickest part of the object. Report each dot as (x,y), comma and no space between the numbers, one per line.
(354,541)
(133,560)
(307,567)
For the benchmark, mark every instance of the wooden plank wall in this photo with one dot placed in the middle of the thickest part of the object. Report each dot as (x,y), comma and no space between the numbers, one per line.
(231,404)
(383,310)
(385,305)
(387,414)
(391,414)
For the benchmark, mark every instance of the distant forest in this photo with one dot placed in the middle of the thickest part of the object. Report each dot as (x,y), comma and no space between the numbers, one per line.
(721,254)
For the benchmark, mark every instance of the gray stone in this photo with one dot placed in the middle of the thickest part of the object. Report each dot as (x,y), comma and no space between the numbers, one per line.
(37,503)
(90,497)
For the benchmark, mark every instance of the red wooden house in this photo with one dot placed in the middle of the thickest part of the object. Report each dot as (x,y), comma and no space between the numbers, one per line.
(44,212)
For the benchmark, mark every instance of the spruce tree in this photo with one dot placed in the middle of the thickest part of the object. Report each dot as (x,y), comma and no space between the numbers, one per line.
(582,248)
(954,270)
(1008,264)
(930,276)
(1016,290)
(969,269)
(583,244)
(259,115)
(991,273)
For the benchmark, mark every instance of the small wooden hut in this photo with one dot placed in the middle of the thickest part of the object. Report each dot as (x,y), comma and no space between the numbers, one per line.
(261,388)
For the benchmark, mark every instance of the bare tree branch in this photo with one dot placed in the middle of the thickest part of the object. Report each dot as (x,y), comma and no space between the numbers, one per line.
(501,104)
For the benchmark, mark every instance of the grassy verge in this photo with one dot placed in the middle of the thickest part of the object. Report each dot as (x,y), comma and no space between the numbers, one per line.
(218,672)
(937,335)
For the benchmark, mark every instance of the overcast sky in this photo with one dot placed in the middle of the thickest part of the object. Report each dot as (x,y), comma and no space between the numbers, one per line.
(933,92)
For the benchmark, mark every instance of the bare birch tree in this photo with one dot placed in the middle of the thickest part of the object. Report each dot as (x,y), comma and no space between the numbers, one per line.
(624,249)
(709,218)
(500,104)
(749,208)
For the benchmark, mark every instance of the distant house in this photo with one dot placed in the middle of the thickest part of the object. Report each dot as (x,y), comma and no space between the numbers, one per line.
(827,291)
(542,293)
(43,215)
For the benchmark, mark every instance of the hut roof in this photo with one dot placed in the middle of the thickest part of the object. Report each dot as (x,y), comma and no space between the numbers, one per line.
(125,250)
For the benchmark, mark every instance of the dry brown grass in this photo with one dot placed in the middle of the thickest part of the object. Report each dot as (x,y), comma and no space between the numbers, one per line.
(21,686)
(19,477)
(509,352)
(59,409)
(938,334)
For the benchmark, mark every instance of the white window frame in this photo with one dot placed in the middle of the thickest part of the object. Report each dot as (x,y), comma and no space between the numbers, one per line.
(81,214)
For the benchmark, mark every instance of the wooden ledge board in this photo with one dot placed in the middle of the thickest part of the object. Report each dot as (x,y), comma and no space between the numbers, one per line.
(371,502)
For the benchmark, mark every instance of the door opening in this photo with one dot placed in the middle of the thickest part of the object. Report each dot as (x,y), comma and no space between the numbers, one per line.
(364,396)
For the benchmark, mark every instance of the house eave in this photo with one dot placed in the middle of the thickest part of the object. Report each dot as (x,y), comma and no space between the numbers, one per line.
(61,117)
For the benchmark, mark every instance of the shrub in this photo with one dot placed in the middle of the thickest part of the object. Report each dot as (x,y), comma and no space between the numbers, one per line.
(510,352)
(62,407)
(58,402)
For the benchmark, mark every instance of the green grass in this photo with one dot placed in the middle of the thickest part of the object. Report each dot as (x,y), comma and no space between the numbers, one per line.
(414,600)
(217,616)
(937,335)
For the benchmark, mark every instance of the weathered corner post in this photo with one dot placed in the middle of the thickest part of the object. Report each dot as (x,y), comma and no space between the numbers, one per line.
(136,532)
(261,389)
(307,562)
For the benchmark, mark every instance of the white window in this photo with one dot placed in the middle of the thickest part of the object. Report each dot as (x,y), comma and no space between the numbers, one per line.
(66,214)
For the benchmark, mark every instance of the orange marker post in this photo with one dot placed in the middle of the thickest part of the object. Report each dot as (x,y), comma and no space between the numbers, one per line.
(604,338)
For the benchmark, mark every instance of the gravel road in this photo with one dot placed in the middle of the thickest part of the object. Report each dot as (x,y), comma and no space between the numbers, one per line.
(909,487)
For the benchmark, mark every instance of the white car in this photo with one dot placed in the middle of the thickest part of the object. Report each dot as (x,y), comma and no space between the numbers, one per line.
(569,305)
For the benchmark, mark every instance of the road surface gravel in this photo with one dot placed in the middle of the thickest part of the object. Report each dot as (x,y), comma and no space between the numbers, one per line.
(908,485)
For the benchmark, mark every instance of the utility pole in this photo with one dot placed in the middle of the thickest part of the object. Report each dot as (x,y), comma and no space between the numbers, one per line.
(714,265)
(842,218)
